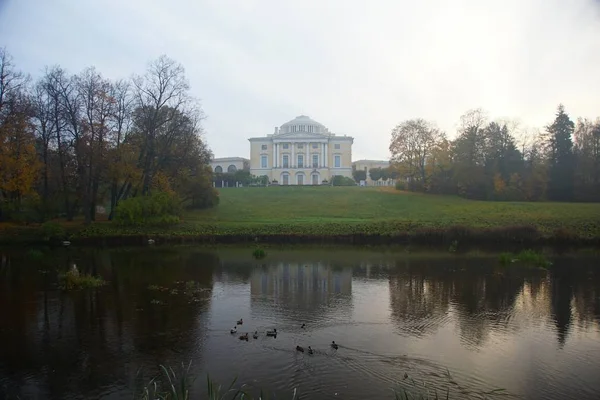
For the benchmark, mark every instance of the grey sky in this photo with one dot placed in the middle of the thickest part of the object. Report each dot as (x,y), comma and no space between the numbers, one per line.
(359,67)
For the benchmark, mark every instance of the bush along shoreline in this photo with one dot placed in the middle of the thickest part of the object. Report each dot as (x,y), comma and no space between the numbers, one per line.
(107,234)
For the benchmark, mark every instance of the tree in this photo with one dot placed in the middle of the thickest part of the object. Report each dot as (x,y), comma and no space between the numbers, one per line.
(469,155)
(411,145)
(18,159)
(586,149)
(161,95)
(359,175)
(375,174)
(562,166)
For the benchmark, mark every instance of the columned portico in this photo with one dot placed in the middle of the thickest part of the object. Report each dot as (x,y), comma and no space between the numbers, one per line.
(312,154)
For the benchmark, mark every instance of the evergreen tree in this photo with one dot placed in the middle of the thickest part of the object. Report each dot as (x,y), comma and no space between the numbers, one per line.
(561,162)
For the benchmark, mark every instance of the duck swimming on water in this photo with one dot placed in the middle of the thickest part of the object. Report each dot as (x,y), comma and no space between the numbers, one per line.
(300,349)
(334,345)
(240,322)
(310,350)
(255,336)
(272,333)
(233,330)
(244,337)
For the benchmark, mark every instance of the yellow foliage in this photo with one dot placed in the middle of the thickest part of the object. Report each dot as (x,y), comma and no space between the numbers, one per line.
(161,183)
(19,164)
(499,184)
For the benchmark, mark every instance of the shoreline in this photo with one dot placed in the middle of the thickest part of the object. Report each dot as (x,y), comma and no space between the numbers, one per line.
(390,233)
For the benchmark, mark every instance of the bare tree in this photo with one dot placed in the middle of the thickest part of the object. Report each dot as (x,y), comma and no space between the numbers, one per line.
(44,127)
(120,127)
(11,80)
(97,103)
(160,95)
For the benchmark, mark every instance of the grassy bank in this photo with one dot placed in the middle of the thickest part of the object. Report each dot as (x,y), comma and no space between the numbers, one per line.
(352,215)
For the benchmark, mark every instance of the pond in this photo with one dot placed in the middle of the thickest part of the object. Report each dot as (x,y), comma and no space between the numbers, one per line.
(461,323)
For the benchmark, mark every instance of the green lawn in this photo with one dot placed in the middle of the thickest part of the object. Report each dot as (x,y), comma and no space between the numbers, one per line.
(301,206)
(291,212)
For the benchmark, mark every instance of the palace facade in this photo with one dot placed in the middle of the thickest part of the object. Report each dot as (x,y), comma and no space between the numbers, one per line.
(301,152)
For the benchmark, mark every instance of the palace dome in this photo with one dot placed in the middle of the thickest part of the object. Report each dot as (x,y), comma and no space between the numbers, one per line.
(303,123)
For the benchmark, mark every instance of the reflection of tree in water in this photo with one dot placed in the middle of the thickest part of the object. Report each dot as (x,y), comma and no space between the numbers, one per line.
(82,341)
(419,297)
(423,291)
(308,289)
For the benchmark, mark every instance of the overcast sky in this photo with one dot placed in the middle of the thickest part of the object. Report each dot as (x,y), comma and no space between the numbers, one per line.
(358,67)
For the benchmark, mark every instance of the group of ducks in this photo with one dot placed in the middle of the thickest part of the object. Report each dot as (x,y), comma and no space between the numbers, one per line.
(273,333)
(255,335)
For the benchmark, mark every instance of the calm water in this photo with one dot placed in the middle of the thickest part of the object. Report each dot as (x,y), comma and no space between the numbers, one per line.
(534,333)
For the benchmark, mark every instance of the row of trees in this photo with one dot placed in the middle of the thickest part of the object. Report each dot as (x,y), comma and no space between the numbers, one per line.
(486,161)
(375,174)
(71,142)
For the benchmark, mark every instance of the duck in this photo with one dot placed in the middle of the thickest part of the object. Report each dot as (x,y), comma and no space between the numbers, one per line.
(303,326)
(233,330)
(272,333)
(244,337)
(240,322)
(310,350)
(334,345)
(255,336)
(300,349)
(151,241)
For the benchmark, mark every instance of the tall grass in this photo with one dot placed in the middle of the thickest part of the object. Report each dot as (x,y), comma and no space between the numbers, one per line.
(175,386)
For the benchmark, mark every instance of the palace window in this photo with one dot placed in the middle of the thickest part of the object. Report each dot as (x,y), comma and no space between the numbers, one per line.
(218,169)
(337,161)
(315,161)
(263,161)
(311,129)
(286,161)
(263,147)
(337,146)
(300,161)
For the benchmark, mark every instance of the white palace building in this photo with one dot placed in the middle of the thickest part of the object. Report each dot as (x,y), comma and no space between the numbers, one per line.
(301,152)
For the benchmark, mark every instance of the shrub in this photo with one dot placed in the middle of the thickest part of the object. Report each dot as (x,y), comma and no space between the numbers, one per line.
(400,185)
(339,180)
(72,280)
(52,230)
(157,209)
(259,253)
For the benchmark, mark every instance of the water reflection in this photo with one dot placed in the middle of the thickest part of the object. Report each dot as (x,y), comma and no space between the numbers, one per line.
(534,332)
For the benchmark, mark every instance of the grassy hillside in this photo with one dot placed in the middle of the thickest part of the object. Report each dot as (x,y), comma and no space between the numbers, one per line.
(351,205)
(360,215)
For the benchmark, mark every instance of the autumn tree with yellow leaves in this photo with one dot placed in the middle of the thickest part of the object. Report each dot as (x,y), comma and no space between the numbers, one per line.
(72,142)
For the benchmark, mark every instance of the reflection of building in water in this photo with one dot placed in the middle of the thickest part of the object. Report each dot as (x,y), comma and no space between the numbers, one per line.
(301,282)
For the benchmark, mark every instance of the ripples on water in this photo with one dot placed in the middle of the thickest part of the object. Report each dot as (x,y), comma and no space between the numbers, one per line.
(446,322)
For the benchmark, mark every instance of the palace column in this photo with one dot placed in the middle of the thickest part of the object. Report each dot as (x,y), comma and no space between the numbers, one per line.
(293,160)
(275,155)
(322,154)
(307,159)
(326,155)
